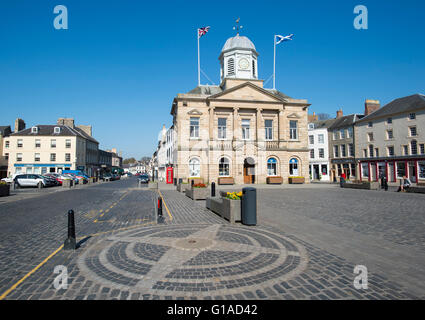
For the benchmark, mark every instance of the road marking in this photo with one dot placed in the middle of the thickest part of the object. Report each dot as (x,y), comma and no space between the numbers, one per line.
(165,205)
(57,250)
(113,205)
(29,273)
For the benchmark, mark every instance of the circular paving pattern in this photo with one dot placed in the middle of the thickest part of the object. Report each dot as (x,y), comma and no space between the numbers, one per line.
(201,259)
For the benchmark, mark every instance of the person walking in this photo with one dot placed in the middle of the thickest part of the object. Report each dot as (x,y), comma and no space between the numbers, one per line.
(342,179)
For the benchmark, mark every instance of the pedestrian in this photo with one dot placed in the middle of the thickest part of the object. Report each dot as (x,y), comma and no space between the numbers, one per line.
(342,179)
(406,183)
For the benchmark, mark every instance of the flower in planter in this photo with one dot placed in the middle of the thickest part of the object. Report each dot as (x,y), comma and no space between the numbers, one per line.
(199,185)
(234,195)
(2,183)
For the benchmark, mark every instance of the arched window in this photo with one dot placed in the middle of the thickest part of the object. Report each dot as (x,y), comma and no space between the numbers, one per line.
(272,167)
(414,147)
(230,67)
(224,167)
(293,167)
(194,168)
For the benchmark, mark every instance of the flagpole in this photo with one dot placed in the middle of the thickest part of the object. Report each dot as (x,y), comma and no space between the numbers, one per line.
(199,61)
(274,62)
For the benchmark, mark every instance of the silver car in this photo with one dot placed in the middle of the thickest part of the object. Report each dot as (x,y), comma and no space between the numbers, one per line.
(31,180)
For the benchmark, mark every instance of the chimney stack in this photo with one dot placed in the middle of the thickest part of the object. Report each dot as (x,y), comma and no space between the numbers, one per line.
(86,129)
(66,122)
(371,106)
(339,113)
(19,125)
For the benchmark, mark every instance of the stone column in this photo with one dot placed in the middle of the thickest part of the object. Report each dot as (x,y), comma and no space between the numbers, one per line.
(281,131)
(211,123)
(236,133)
(236,128)
(259,126)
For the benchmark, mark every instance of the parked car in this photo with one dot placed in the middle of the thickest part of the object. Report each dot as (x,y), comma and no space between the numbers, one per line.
(144,178)
(107,177)
(55,177)
(51,181)
(32,180)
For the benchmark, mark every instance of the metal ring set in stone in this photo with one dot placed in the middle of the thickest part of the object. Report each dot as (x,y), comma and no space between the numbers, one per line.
(198,259)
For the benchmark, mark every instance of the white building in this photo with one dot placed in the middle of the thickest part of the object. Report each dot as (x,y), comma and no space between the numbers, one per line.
(319,149)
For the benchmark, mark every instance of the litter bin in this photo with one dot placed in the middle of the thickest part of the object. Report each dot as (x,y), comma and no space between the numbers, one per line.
(249,206)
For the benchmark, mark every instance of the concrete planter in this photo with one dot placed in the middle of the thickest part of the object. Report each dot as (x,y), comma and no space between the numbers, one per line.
(67,183)
(274,180)
(181,187)
(197,193)
(362,185)
(416,190)
(225,208)
(298,180)
(4,190)
(153,185)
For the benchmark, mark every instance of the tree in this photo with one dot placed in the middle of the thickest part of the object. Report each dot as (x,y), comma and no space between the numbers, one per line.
(129,160)
(145,160)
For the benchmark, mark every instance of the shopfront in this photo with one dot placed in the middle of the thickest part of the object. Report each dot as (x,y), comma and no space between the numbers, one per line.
(393,169)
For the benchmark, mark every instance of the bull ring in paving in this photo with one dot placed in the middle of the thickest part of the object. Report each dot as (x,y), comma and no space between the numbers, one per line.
(201,259)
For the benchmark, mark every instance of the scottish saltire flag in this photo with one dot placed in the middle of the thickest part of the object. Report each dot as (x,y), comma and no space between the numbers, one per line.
(203,31)
(280,38)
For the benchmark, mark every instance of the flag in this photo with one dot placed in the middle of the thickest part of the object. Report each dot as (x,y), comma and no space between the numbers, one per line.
(280,38)
(203,31)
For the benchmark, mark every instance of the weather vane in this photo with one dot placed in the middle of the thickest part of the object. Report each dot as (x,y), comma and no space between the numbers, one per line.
(237,27)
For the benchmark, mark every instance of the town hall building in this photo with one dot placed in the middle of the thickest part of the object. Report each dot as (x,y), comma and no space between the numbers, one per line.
(239,131)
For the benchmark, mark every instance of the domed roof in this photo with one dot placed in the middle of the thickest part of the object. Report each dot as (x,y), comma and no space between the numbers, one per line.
(239,42)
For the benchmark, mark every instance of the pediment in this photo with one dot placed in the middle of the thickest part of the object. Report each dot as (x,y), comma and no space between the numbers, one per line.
(194,112)
(294,116)
(248,92)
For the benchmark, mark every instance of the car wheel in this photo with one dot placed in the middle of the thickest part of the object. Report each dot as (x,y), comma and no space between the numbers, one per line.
(40,185)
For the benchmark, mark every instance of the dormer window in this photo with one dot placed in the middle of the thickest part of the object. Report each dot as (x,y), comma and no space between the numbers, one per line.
(34,130)
(57,130)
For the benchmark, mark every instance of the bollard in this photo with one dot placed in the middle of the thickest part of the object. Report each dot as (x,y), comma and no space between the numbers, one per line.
(175,181)
(70,243)
(159,207)
(249,206)
(192,182)
(212,189)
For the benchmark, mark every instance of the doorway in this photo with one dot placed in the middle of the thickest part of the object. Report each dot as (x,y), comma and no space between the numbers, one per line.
(316,172)
(249,171)
(412,172)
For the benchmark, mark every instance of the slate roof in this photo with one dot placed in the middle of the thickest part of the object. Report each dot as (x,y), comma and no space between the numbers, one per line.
(48,130)
(345,121)
(5,130)
(322,124)
(212,90)
(400,105)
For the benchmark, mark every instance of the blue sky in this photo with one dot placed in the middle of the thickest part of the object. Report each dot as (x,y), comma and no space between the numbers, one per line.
(120,63)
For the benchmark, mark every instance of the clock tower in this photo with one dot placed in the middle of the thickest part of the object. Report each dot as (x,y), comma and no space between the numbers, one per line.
(238,59)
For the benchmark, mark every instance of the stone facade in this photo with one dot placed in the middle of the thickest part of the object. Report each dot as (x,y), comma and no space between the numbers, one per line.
(211,126)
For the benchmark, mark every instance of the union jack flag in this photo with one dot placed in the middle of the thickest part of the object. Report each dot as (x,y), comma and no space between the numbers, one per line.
(203,31)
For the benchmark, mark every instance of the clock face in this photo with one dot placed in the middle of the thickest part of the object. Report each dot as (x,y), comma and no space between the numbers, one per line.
(243,63)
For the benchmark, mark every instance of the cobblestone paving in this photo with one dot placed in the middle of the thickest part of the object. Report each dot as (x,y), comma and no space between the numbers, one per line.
(196,255)
(395,217)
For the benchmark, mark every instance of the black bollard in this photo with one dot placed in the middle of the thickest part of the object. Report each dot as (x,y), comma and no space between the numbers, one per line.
(212,189)
(175,181)
(192,182)
(70,243)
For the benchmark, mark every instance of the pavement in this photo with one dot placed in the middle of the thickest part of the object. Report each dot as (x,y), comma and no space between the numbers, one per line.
(306,245)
